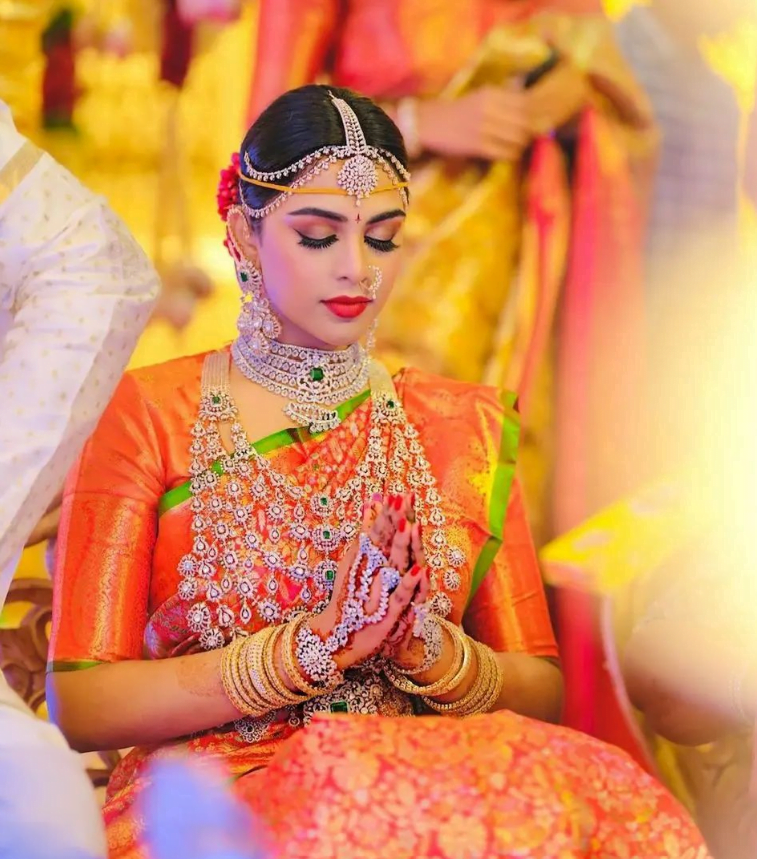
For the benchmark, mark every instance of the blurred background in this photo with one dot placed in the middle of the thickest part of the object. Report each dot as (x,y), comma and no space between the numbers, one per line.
(652,568)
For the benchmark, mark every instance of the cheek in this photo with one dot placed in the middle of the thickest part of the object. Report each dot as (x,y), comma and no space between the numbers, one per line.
(286,274)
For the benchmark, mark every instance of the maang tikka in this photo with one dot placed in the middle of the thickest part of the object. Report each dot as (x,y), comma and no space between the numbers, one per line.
(257,322)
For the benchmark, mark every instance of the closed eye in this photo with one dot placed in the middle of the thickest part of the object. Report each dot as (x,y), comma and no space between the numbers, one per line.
(316,244)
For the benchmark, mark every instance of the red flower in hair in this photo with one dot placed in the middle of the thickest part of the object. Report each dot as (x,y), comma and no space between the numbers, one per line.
(228,187)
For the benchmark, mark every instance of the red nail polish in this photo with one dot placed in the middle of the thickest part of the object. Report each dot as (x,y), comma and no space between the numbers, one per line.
(403,524)
(398,502)
(412,499)
(416,570)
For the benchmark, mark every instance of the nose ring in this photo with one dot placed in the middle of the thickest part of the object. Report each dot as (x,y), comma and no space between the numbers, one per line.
(372,289)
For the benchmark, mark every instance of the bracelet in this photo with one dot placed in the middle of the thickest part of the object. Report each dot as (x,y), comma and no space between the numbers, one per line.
(273,675)
(287,652)
(471,699)
(258,649)
(241,695)
(488,686)
(407,122)
(453,678)
(484,693)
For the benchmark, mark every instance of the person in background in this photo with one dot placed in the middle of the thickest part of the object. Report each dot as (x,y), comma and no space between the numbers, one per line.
(75,293)
(495,98)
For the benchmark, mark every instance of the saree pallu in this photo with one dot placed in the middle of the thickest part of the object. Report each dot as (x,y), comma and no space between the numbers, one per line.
(126,524)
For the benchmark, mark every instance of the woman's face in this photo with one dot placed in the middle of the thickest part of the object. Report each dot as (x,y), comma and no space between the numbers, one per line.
(321,255)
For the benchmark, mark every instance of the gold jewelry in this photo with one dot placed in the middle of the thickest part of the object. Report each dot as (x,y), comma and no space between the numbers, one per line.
(453,678)
(269,660)
(257,672)
(482,696)
(237,691)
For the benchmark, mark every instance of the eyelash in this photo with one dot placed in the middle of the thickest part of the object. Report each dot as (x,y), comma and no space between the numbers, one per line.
(381,245)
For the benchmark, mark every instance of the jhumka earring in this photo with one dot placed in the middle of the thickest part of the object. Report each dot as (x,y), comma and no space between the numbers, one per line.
(256,323)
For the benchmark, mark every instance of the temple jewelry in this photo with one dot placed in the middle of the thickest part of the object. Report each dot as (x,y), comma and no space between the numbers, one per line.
(358,176)
(314,381)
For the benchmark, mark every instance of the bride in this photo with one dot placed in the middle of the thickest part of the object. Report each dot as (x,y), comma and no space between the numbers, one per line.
(280,529)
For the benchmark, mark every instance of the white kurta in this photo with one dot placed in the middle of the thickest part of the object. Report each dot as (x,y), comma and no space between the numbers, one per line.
(76,290)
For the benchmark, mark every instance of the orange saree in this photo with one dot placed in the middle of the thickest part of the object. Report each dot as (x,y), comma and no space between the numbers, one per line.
(126,525)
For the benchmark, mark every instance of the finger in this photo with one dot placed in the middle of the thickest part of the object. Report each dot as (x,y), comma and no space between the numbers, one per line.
(424,587)
(416,544)
(399,601)
(399,553)
(381,528)
(371,511)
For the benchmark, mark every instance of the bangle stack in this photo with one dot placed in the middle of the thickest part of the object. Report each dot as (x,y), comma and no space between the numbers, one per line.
(251,679)
(480,698)
(484,693)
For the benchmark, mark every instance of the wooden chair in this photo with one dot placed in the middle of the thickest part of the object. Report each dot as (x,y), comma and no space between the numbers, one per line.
(23,659)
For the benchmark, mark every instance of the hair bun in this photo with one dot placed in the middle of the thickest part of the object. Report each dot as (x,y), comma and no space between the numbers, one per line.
(228,187)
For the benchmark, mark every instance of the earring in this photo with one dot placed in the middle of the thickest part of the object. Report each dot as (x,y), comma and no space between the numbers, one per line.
(372,289)
(256,323)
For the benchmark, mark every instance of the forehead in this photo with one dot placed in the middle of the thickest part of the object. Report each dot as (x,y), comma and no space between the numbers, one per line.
(341,203)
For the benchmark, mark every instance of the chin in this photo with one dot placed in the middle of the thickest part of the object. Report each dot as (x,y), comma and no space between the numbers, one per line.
(339,334)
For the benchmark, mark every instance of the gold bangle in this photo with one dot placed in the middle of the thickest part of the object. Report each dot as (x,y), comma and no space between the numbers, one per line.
(453,678)
(238,692)
(489,688)
(274,678)
(229,687)
(483,677)
(290,663)
(257,672)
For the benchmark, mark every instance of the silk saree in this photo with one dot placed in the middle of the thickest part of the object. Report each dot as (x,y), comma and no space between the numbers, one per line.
(126,525)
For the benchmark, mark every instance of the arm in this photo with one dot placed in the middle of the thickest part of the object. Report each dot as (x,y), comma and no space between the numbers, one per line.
(509,613)
(100,691)
(294,37)
(83,290)
(690,663)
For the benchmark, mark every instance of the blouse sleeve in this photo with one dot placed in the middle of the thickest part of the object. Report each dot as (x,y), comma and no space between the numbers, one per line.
(106,538)
(509,610)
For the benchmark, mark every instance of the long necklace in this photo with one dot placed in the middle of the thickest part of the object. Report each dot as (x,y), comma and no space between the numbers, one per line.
(314,381)
(266,548)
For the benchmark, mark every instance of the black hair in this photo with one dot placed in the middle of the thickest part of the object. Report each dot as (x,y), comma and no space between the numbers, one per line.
(304,120)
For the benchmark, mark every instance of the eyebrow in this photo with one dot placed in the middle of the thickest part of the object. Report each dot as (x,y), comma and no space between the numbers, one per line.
(341,219)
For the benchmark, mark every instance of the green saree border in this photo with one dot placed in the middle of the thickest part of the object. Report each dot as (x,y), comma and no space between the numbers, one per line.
(275,441)
(502,483)
(78,665)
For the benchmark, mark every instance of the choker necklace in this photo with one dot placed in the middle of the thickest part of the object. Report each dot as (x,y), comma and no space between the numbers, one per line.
(315,381)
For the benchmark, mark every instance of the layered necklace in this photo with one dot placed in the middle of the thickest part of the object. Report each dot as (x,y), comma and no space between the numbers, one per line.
(314,381)
(266,547)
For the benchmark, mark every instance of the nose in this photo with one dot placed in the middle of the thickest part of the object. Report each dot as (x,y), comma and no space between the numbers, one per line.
(353,261)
